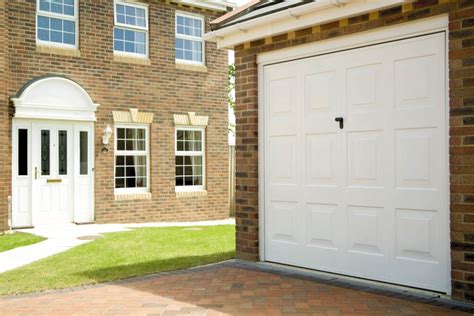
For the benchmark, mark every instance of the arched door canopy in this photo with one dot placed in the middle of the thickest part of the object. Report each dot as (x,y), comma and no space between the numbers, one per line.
(56,98)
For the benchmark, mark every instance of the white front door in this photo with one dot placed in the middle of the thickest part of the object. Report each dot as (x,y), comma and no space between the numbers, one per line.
(366,197)
(52,172)
(53,167)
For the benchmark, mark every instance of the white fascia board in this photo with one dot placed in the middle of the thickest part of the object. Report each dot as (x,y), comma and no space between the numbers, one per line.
(315,13)
(208,4)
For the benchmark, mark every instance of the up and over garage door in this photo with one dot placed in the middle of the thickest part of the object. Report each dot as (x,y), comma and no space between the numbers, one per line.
(365,195)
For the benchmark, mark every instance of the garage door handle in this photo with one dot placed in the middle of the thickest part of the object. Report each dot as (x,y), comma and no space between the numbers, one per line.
(341,122)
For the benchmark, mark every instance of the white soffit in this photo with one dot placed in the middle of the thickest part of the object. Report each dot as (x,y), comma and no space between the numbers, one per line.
(208,4)
(55,98)
(314,13)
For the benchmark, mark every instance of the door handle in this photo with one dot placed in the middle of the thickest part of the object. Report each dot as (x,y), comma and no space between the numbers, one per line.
(341,122)
(36,173)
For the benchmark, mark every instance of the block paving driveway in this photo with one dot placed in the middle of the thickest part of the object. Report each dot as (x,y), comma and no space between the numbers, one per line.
(228,288)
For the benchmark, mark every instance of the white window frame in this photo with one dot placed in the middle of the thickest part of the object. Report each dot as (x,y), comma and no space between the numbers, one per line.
(132,28)
(201,153)
(188,37)
(48,14)
(120,191)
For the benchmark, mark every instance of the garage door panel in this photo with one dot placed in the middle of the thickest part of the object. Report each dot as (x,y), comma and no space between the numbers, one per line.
(364,85)
(416,158)
(284,228)
(321,159)
(366,230)
(282,165)
(416,231)
(321,225)
(365,158)
(368,200)
(320,93)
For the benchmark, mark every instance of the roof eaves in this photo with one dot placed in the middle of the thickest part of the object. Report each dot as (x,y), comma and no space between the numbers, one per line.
(235,13)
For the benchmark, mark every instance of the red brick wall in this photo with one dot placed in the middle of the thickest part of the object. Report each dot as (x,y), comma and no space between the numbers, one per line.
(461,67)
(159,88)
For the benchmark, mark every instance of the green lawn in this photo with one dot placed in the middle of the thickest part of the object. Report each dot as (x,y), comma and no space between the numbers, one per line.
(15,240)
(122,255)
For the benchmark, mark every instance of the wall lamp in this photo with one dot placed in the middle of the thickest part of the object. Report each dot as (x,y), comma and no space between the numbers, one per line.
(106,138)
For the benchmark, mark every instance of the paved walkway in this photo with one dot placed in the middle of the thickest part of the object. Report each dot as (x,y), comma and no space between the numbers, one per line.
(224,289)
(64,237)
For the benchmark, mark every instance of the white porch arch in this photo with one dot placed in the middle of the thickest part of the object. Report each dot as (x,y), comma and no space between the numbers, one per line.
(55,98)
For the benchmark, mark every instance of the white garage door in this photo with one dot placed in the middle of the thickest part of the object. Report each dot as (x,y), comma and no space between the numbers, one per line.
(368,199)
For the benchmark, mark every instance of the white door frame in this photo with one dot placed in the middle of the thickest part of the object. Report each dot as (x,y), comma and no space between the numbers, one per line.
(374,37)
(75,127)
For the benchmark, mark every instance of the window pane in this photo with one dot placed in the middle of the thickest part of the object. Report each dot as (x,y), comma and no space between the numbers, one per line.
(45,152)
(62,152)
(189,171)
(189,26)
(130,41)
(120,161)
(120,183)
(56,30)
(69,38)
(22,152)
(133,171)
(120,9)
(121,133)
(65,7)
(131,15)
(83,153)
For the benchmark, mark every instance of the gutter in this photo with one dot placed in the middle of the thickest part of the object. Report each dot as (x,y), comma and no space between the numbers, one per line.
(294,12)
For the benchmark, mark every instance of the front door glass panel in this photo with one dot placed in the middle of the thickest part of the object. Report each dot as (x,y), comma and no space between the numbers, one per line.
(45,149)
(62,152)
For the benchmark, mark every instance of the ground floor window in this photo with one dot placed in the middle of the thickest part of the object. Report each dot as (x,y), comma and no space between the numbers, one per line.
(190,159)
(131,159)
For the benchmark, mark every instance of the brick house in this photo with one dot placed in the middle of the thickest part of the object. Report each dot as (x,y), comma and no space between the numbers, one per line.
(113,111)
(354,137)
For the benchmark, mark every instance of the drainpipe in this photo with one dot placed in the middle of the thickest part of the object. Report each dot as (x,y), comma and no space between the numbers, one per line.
(9,214)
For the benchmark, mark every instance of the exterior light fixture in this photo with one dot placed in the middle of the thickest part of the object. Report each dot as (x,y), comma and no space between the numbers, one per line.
(106,138)
(107,134)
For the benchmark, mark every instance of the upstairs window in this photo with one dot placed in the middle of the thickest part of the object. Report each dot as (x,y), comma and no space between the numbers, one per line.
(131,29)
(56,22)
(189,38)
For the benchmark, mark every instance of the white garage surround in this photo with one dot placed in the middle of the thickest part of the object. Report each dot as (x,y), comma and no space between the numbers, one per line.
(370,200)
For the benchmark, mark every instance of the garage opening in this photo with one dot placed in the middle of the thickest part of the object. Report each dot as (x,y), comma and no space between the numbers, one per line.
(355,162)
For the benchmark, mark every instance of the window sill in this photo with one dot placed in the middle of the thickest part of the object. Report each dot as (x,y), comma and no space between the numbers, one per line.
(132,196)
(46,49)
(190,67)
(132,60)
(185,194)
